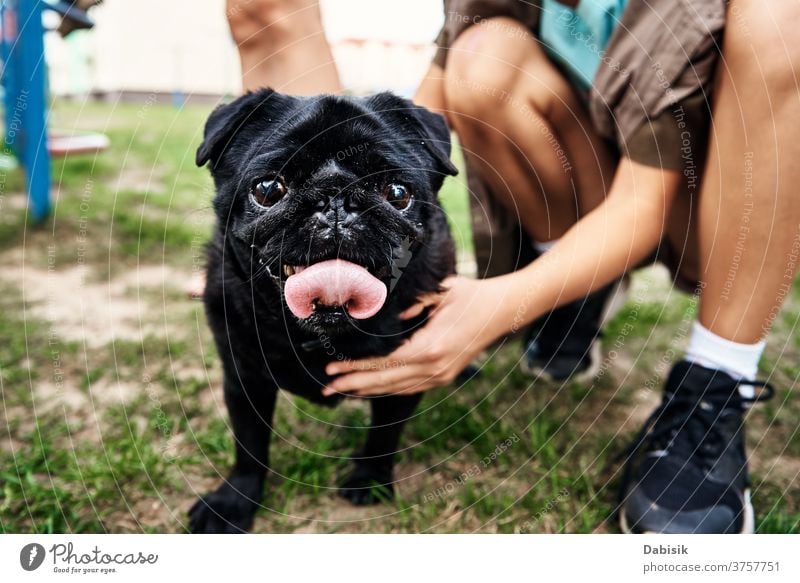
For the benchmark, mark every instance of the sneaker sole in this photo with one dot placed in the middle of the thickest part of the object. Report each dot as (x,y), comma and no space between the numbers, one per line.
(617,299)
(748,526)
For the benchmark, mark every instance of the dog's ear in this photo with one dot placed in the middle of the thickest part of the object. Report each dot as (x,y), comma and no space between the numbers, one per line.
(227,119)
(429,126)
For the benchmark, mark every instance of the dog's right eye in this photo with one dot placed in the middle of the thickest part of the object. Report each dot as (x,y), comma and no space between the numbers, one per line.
(397,195)
(268,191)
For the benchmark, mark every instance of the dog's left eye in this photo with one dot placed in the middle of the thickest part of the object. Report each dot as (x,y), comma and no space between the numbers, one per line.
(397,195)
(268,191)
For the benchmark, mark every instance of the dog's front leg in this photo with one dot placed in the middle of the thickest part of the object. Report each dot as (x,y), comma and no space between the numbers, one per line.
(231,507)
(371,480)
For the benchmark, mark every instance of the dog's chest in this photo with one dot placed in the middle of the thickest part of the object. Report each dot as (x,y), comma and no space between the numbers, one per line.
(296,362)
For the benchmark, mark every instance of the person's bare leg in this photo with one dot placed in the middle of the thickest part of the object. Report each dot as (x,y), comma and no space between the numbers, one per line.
(430,92)
(282,45)
(524,128)
(749,206)
(690,474)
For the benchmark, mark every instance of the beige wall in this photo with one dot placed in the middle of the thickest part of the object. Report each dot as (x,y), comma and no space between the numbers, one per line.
(185,45)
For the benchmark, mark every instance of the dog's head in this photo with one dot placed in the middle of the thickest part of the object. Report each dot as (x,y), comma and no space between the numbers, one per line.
(331,199)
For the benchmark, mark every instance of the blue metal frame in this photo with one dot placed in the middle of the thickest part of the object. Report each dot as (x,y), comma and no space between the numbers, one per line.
(24,78)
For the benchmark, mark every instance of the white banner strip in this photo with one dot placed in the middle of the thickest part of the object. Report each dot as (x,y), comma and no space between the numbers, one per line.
(400,558)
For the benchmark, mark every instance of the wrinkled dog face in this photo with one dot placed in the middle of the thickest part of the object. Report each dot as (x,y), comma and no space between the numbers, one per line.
(326,197)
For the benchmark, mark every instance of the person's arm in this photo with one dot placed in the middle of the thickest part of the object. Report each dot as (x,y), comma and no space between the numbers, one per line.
(613,238)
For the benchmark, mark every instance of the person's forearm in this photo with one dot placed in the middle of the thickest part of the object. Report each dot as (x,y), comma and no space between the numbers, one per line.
(613,238)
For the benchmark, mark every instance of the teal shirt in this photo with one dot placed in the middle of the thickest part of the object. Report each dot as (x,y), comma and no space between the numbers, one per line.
(577,38)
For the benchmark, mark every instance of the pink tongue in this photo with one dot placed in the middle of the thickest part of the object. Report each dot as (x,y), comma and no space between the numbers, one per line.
(335,283)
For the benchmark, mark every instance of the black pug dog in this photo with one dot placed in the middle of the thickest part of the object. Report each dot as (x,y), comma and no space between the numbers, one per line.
(328,227)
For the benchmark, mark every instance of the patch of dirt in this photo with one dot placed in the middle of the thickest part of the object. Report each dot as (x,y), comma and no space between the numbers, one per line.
(782,470)
(50,395)
(107,393)
(103,393)
(157,514)
(329,514)
(94,313)
(15,201)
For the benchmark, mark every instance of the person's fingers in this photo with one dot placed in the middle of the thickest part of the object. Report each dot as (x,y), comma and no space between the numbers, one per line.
(417,350)
(404,389)
(420,350)
(413,311)
(382,381)
(406,354)
(428,300)
(362,365)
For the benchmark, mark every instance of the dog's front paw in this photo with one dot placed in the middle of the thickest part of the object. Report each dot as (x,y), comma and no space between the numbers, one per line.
(228,509)
(366,485)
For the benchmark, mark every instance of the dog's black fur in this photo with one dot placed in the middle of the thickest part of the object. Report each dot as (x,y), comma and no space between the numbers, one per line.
(335,155)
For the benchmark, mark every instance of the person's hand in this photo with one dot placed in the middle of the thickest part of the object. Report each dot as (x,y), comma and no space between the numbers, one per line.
(463,321)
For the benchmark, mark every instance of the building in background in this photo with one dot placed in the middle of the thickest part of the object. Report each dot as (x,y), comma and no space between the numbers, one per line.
(184,48)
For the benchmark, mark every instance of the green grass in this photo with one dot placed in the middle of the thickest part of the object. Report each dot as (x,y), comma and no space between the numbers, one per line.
(117,426)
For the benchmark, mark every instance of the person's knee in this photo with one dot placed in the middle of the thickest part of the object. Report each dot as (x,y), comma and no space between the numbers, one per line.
(497,72)
(483,67)
(256,21)
(247,18)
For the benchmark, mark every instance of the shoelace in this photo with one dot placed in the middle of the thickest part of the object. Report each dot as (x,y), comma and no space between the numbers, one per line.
(688,408)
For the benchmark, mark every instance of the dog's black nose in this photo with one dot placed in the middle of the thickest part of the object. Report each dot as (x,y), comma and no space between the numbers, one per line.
(337,188)
(340,202)
(336,214)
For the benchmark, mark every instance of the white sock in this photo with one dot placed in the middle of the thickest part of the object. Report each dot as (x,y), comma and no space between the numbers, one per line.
(712,351)
(544,247)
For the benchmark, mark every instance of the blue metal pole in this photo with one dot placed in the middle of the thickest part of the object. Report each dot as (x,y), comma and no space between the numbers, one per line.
(10,84)
(28,54)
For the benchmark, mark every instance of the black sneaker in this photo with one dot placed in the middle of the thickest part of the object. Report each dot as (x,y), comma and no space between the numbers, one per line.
(565,343)
(686,471)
